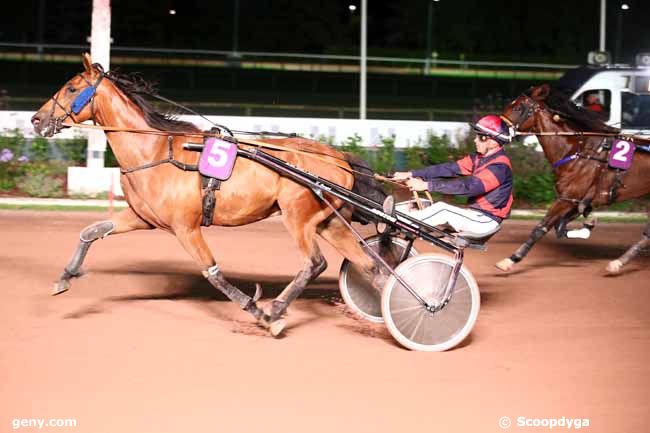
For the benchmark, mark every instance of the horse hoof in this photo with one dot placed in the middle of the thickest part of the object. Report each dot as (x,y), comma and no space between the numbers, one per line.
(505,265)
(60,287)
(614,266)
(277,327)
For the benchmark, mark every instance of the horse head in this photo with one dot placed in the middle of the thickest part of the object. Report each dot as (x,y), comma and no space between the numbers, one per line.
(521,112)
(75,100)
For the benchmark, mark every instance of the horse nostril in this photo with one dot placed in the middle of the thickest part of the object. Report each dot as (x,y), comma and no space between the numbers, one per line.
(36,120)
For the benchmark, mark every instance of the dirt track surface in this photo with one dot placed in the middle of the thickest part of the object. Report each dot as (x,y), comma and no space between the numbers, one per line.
(142,343)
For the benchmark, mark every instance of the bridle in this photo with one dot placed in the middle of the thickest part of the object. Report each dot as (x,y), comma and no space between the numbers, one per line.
(85,97)
(529,107)
(525,112)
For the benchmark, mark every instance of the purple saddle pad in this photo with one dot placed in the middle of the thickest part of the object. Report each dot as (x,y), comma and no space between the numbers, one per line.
(217,158)
(621,154)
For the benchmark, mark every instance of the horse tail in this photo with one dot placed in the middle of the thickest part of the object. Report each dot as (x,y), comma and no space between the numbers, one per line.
(364,184)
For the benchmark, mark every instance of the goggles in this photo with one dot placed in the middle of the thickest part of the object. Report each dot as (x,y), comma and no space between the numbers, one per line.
(483,137)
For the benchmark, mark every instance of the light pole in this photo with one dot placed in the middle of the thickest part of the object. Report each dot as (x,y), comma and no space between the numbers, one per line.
(235,29)
(40,27)
(427,62)
(603,15)
(619,31)
(362,59)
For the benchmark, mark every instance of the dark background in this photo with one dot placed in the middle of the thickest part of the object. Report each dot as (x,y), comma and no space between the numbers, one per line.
(525,31)
(558,31)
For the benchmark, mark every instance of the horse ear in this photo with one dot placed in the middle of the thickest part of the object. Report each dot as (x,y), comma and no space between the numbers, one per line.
(87,62)
(541,92)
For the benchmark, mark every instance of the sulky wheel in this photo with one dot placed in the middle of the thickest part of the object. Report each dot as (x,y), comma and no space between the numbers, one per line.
(357,291)
(410,323)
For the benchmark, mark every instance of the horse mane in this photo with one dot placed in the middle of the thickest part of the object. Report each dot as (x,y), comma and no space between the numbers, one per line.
(578,117)
(135,88)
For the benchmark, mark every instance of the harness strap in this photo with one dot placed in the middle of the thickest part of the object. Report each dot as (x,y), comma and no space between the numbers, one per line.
(566,159)
(210,185)
(170,159)
(613,190)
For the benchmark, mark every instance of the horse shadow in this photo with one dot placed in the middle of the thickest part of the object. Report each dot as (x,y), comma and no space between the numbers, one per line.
(182,284)
(578,255)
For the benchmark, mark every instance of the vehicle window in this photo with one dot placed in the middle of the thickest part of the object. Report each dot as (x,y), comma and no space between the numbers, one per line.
(635,110)
(598,101)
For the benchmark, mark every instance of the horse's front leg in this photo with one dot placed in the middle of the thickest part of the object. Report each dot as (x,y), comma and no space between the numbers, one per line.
(559,209)
(193,242)
(615,266)
(124,222)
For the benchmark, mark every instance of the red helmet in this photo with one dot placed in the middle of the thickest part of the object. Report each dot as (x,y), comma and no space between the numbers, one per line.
(494,127)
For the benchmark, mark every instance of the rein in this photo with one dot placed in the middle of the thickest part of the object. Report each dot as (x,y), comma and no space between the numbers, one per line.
(586,134)
(200,135)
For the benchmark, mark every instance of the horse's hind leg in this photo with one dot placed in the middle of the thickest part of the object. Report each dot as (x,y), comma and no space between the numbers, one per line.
(192,240)
(301,216)
(615,266)
(125,221)
(337,234)
(315,264)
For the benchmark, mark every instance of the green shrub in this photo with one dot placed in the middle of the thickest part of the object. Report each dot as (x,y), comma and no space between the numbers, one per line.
(43,179)
(10,172)
(73,150)
(353,145)
(414,157)
(383,160)
(534,183)
(40,149)
(534,188)
(41,185)
(325,139)
(14,141)
(438,149)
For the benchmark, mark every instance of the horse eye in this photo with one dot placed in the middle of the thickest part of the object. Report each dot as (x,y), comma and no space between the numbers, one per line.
(72,89)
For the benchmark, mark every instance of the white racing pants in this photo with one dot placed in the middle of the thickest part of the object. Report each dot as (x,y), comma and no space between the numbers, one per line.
(461,219)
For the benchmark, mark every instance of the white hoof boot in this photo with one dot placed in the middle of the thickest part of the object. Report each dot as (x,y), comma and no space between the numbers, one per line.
(582,233)
(505,264)
(614,266)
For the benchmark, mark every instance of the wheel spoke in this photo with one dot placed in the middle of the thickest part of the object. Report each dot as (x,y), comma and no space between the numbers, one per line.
(405,309)
(409,321)
(417,326)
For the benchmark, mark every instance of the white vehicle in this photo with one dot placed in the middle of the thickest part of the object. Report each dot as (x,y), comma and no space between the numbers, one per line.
(623,91)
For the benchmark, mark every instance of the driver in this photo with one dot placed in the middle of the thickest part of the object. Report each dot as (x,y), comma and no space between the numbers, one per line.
(485,177)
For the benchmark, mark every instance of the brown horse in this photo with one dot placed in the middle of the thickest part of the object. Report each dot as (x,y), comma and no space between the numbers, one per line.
(164,196)
(583,178)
